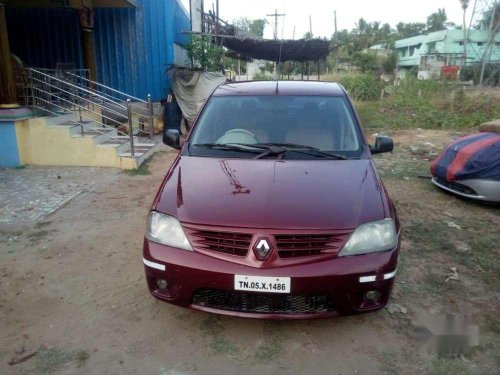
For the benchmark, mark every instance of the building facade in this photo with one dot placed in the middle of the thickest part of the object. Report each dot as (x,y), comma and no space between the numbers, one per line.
(435,51)
(132,42)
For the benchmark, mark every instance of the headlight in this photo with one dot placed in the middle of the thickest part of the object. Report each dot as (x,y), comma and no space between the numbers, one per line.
(371,238)
(167,230)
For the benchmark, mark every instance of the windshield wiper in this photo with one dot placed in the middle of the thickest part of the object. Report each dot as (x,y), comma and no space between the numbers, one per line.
(278,149)
(303,149)
(229,146)
(269,149)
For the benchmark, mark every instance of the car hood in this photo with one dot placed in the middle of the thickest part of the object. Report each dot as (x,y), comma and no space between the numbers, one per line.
(273,194)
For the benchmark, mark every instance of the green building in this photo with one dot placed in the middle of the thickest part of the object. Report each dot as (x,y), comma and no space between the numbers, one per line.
(433,52)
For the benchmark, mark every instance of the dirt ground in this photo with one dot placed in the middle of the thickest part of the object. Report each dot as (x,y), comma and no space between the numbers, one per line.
(72,288)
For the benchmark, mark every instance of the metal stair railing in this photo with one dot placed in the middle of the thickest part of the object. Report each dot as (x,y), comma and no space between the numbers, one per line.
(139,107)
(72,92)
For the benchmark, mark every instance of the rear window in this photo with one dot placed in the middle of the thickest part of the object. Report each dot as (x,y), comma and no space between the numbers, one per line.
(323,122)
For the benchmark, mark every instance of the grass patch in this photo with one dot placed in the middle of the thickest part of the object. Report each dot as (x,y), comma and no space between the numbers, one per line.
(433,236)
(222,346)
(81,358)
(388,363)
(144,167)
(395,166)
(50,360)
(42,224)
(429,105)
(219,344)
(35,237)
(212,326)
(272,346)
(142,170)
(447,366)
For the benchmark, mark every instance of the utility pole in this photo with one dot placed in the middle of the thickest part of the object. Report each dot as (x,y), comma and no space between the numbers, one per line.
(293,37)
(465,4)
(336,37)
(276,15)
(335,25)
(311,35)
(491,40)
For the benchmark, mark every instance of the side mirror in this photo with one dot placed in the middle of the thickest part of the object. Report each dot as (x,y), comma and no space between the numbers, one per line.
(171,138)
(383,143)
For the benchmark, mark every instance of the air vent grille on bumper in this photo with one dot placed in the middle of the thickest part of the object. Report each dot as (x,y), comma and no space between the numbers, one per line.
(263,303)
(456,186)
(298,245)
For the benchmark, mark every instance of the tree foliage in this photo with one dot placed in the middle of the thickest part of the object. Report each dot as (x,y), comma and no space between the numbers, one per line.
(390,63)
(436,21)
(203,53)
(353,45)
(367,61)
(366,34)
(406,30)
(253,28)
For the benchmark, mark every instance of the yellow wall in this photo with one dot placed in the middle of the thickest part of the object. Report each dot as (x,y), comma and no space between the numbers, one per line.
(40,144)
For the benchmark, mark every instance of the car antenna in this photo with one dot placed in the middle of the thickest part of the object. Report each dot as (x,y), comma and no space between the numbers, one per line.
(279,58)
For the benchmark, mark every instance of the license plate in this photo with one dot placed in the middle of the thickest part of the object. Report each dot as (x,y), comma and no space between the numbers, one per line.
(262,284)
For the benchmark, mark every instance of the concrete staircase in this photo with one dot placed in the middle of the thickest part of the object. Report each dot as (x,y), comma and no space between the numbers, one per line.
(62,140)
(82,122)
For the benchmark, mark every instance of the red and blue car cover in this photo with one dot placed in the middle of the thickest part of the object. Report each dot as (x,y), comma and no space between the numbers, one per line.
(472,156)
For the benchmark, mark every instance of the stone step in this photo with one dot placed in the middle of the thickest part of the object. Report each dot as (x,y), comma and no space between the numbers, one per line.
(129,154)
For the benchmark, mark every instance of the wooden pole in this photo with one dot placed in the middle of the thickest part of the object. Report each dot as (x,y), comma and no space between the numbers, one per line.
(89,53)
(7,84)
(276,15)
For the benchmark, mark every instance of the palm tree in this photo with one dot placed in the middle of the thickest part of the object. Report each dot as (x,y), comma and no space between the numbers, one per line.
(435,22)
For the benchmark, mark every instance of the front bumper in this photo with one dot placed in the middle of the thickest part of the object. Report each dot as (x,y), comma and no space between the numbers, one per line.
(482,190)
(326,288)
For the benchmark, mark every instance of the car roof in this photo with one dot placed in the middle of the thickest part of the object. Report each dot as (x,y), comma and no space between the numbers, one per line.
(284,88)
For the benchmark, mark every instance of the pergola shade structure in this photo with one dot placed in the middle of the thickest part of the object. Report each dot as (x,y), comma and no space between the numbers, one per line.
(279,50)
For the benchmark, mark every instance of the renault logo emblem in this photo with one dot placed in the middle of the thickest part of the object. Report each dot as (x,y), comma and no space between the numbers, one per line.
(262,248)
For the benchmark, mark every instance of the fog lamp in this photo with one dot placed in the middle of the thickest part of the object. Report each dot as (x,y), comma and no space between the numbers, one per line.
(161,283)
(372,295)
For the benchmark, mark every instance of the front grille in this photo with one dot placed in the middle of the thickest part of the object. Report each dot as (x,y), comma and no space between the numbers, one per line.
(222,242)
(456,186)
(263,303)
(299,245)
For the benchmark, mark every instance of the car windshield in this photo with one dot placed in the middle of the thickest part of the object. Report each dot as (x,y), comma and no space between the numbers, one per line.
(240,126)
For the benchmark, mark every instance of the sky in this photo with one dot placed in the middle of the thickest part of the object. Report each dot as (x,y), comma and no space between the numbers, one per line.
(321,12)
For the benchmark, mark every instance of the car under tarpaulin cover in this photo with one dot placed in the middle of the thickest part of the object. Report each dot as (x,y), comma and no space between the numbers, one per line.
(474,156)
(192,88)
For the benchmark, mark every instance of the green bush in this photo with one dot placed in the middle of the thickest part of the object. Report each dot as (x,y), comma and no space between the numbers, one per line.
(262,77)
(361,86)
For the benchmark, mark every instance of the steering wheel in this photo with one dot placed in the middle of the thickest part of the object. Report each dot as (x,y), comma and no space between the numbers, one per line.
(238,136)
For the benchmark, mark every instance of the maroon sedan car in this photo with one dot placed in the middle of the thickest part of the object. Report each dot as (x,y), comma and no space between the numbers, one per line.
(274,208)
